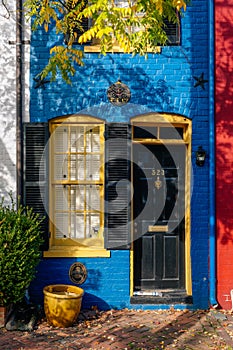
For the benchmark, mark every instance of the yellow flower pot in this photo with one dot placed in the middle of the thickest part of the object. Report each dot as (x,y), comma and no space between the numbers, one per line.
(62,304)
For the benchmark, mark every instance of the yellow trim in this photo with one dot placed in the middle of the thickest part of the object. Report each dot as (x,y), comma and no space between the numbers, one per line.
(131,286)
(115,49)
(188,267)
(70,247)
(131,271)
(157,120)
(74,252)
(153,141)
(76,119)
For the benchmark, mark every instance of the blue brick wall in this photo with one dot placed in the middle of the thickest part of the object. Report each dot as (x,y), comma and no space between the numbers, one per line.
(163,82)
(107,285)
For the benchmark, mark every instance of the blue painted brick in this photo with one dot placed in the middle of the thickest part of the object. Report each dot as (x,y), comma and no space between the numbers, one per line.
(173,70)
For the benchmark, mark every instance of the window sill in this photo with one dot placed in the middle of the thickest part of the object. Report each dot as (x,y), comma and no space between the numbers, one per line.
(76,252)
(115,49)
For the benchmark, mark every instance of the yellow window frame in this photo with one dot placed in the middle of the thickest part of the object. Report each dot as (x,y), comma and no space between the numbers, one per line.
(69,246)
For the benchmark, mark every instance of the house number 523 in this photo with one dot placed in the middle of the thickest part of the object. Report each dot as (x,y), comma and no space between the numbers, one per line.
(157,172)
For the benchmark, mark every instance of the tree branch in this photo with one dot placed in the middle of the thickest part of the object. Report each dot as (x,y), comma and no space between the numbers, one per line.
(7,16)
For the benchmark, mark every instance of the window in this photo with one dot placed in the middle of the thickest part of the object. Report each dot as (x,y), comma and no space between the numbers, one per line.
(73,170)
(172,30)
(77,173)
(76,183)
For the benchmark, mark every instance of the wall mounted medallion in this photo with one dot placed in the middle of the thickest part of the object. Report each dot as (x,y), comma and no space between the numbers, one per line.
(78,273)
(118,94)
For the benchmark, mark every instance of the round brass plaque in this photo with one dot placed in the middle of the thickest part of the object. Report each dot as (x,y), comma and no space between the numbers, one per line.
(78,273)
(118,94)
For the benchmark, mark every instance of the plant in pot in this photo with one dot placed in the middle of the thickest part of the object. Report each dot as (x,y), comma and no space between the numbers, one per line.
(20,242)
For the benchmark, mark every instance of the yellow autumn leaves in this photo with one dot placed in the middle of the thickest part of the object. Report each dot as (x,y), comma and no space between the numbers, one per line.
(135,25)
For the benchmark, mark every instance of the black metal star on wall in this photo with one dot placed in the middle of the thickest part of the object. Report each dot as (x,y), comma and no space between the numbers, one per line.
(200,81)
(40,83)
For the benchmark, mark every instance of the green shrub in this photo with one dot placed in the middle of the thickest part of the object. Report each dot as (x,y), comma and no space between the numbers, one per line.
(20,241)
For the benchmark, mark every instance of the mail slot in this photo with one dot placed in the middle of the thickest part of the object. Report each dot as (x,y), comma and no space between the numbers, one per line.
(158,228)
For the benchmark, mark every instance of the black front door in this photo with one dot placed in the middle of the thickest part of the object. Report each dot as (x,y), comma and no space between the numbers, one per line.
(159,216)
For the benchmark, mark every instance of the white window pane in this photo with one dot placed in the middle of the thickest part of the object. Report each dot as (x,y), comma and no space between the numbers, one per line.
(77,226)
(60,137)
(92,167)
(60,167)
(77,197)
(92,139)
(93,197)
(61,198)
(92,224)
(77,167)
(77,139)
(61,225)
(121,3)
(96,140)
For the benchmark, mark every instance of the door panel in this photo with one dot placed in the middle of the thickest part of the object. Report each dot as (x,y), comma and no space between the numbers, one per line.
(171,257)
(148,245)
(159,222)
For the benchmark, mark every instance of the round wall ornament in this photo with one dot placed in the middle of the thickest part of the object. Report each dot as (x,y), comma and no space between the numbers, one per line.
(118,94)
(78,273)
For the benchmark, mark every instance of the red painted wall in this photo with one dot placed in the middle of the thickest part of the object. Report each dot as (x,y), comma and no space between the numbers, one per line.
(224,149)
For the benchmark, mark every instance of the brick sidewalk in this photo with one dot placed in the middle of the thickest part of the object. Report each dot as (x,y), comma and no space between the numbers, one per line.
(130,329)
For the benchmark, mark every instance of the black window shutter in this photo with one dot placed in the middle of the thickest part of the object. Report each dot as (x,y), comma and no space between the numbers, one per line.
(117,186)
(36,172)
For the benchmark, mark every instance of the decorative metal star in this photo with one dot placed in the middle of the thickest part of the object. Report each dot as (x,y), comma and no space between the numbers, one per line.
(200,81)
(40,83)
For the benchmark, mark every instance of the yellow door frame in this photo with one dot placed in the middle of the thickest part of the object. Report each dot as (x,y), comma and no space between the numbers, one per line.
(177,121)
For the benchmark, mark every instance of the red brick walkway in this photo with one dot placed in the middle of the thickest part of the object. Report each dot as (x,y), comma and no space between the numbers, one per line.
(130,329)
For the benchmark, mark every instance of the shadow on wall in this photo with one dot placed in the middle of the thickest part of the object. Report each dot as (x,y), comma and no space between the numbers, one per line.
(7,174)
(89,85)
(93,280)
(224,126)
(159,92)
(91,301)
(155,94)
(91,287)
